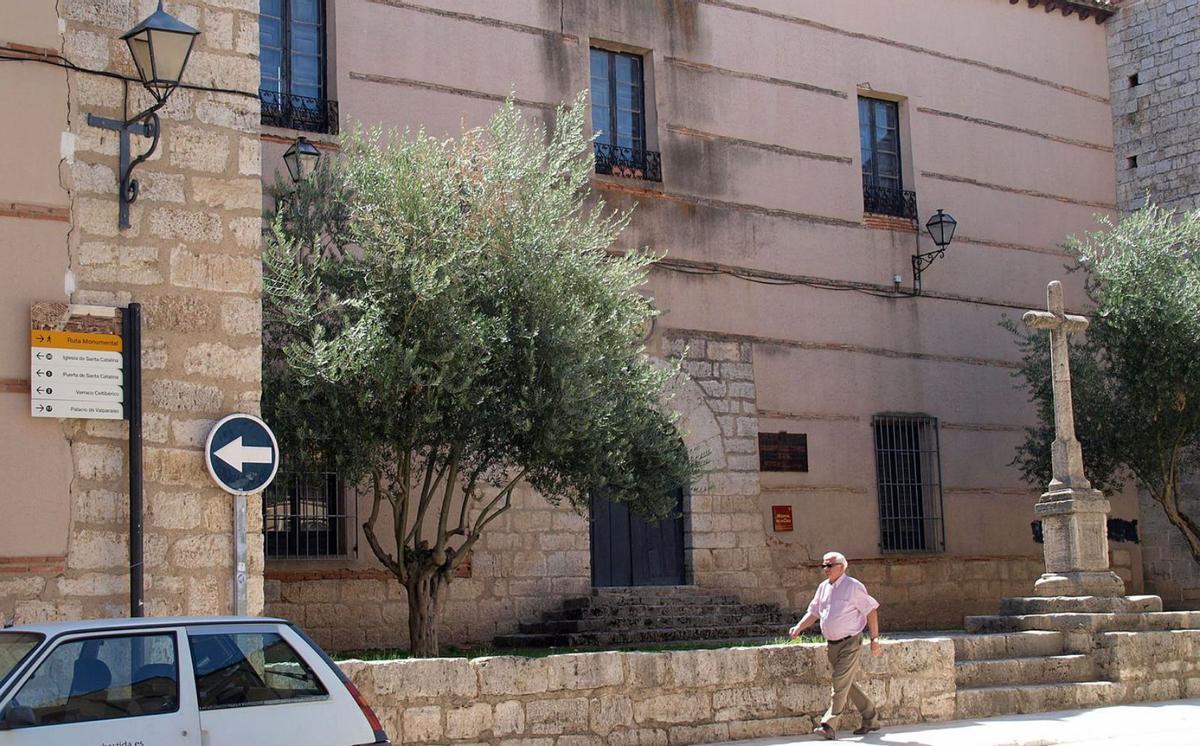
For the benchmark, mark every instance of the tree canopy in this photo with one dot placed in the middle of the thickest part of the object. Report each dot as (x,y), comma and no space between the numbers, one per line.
(1136,373)
(443,321)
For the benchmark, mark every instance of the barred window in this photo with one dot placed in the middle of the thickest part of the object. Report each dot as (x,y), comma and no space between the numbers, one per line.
(309,516)
(909,471)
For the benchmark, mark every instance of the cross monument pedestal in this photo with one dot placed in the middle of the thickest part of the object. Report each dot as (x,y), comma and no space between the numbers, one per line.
(1074,516)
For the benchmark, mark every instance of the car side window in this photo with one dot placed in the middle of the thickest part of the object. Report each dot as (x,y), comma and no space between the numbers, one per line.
(239,669)
(101,678)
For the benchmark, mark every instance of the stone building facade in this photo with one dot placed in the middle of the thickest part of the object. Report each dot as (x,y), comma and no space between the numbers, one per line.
(1154,59)
(786,285)
(190,258)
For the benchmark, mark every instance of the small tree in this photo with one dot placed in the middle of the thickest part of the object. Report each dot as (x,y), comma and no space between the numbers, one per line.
(443,323)
(1136,374)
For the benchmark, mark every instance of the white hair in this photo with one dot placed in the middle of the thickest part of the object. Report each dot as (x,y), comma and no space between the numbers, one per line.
(837,557)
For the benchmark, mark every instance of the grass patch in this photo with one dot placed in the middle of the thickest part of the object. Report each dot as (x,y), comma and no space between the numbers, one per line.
(483,651)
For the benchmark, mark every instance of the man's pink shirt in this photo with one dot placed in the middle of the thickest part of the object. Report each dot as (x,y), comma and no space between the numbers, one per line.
(842,607)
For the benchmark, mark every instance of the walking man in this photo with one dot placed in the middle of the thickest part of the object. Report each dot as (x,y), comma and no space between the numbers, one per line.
(843,607)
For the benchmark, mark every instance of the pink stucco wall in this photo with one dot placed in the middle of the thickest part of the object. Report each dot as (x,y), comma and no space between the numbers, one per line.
(1006,125)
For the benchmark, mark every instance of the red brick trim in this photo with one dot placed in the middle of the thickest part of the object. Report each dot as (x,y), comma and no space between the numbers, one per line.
(888,223)
(14,385)
(346,573)
(267,137)
(47,565)
(34,212)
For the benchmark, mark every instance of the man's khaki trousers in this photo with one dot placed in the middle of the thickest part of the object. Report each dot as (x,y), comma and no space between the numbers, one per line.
(843,659)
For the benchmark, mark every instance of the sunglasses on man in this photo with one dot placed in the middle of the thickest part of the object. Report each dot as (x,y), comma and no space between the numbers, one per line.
(828,565)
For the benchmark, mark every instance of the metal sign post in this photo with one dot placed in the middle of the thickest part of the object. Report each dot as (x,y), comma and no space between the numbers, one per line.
(242,456)
(86,362)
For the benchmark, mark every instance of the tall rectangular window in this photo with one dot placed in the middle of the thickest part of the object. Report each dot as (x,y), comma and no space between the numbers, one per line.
(309,516)
(909,473)
(879,143)
(619,116)
(292,65)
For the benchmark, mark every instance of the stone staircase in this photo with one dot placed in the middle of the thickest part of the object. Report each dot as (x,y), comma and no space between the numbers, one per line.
(650,615)
(1039,654)
(1019,672)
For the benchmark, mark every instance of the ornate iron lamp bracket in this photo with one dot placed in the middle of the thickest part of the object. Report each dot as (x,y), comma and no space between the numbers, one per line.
(146,124)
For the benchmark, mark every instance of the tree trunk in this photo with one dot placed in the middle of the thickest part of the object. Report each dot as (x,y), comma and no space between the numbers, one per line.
(1169,499)
(424,613)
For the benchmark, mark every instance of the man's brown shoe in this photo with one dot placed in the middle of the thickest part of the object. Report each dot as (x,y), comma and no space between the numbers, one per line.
(826,730)
(866,728)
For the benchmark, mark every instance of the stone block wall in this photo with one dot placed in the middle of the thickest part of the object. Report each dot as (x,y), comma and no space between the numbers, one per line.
(1156,115)
(528,561)
(1170,569)
(192,259)
(1151,666)
(644,699)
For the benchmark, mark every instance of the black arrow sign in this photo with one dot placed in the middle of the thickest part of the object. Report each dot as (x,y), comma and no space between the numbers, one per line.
(43,338)
(45,373)
(45,390)
(45,408)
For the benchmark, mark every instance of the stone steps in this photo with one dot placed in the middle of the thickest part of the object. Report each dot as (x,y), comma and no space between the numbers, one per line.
(983,702)
(617,613)
(739,633)
(650,615)
(776,619)
(1086,622)
(1052,669)
(1007,645)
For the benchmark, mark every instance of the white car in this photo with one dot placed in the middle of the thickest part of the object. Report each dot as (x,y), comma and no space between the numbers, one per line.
(203,681)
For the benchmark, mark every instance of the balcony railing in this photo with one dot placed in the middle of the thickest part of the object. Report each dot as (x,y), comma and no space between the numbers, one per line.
(614,160)
(299,112)
(886,201)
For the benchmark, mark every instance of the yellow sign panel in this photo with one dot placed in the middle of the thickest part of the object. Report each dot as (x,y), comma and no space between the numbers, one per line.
(75,340)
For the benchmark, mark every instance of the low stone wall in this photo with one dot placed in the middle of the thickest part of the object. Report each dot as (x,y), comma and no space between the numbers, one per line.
(644,699)
(1152,666)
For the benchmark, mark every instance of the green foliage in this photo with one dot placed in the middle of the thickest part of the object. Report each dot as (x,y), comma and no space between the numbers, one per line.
(442,318)
(1136,375)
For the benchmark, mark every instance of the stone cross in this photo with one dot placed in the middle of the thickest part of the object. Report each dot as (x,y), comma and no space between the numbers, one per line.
(1074,516)
(1066,457)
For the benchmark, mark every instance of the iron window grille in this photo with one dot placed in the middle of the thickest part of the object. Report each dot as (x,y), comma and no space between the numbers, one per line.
(619,116)
(310,516)
(299,112)
(292,60)
(879,143)
(909,472)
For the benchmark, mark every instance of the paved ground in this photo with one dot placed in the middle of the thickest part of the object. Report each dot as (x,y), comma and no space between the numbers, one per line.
(1175,723)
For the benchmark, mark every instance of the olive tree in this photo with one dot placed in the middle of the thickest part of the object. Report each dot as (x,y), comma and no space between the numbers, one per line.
(443,322)
(1136,373)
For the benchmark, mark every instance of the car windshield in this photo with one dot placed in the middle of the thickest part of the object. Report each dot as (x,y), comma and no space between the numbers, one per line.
(14,646)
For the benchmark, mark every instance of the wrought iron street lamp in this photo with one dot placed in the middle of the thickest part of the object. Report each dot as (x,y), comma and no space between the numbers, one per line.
(160,46)
(941,229)
(301,159)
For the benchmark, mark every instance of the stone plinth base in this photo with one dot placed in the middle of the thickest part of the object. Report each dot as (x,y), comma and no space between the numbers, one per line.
(1080,605)
(1079,583)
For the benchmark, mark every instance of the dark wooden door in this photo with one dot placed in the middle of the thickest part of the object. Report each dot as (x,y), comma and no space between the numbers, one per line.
(627,550)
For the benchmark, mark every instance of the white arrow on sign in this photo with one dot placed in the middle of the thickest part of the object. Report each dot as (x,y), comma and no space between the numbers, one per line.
(235,454)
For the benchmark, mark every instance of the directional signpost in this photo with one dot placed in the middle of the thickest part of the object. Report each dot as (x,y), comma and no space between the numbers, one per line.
(77,373)
(242,457)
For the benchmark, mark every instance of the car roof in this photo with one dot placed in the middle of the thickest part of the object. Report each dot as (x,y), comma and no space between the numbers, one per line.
(91,625)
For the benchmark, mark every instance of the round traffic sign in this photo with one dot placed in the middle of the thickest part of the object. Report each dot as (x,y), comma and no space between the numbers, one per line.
(241,454)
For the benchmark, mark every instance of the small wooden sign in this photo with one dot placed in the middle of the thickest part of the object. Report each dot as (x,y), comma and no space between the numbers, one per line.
(783,451)
(76,361)
(781,517)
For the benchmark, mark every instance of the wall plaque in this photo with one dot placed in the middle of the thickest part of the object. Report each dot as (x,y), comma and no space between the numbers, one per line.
(781,517)
(783,451)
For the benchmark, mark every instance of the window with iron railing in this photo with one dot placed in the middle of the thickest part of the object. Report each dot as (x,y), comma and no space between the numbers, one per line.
(309,516)
(292,66)
(619,116)
(879,142)
(909,473)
